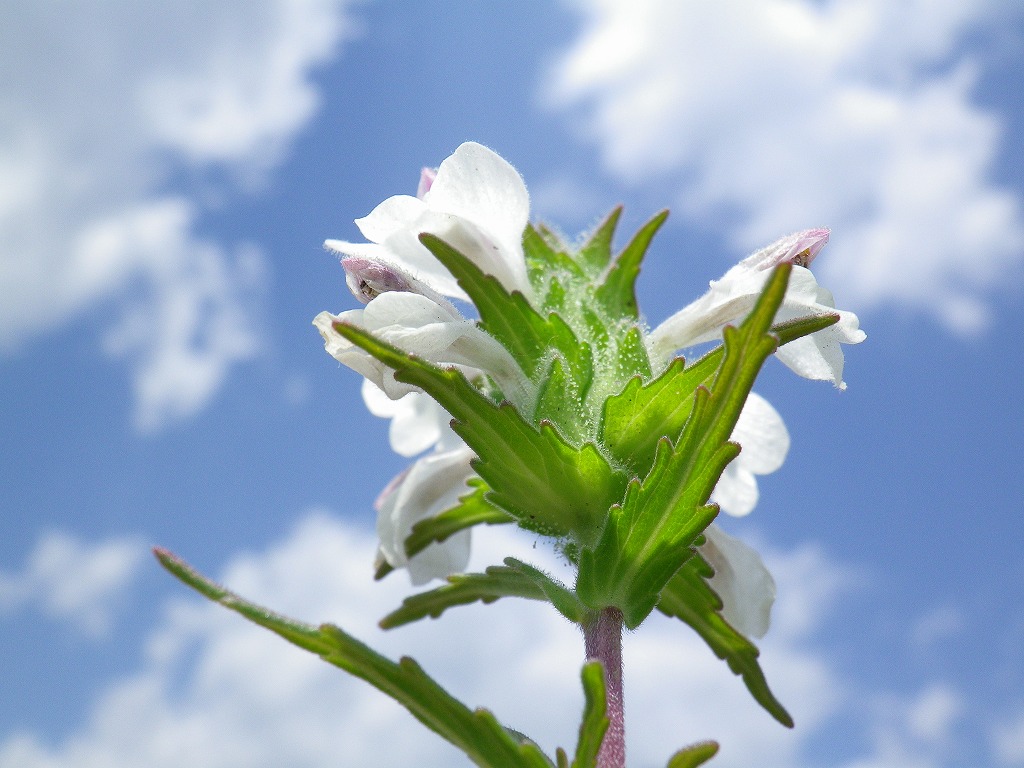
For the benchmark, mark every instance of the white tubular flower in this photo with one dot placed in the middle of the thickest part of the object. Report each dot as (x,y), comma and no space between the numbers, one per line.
(432,331)
(477,203)
(431,485)
(818,356)
(746,587)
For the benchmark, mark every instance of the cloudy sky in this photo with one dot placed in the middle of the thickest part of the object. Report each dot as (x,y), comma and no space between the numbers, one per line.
(167,176)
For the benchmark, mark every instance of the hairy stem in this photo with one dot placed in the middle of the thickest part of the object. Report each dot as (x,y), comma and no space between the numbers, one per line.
(603,641)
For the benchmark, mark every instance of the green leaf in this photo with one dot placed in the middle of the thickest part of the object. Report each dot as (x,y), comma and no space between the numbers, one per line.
(689,597)
(548,485)
(463,589)
(693,756)
(649,537)
(477,733)
(595,716)
(617,293)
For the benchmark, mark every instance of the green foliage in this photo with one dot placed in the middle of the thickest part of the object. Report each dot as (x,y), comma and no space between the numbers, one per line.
(547,484)
(595,720)
(693,756)
(475,732)
(648,538)
(463,589)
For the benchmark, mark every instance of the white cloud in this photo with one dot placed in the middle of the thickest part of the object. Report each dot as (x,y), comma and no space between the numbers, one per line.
(99,105)
(218,692)
(1008,741)
(73,581)
(784,114)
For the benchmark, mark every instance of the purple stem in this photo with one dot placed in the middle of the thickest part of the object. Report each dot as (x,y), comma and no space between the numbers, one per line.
(603,641)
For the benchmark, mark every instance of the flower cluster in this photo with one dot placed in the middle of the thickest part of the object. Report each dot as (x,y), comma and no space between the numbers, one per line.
(477,204)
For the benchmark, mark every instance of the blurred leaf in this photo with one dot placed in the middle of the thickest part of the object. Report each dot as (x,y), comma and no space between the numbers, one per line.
(595,716)
(693,756)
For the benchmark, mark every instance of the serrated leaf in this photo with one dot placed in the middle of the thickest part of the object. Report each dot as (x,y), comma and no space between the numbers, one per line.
(689,597)
(693,756)
(477,733)
(595,716)
(464,589)
(649,538)
(536,476)
(617,292)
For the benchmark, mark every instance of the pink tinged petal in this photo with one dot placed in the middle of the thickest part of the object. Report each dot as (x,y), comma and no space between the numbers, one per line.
(800,249)
(764,440)
(367,279)
(393,229)
(746,587)
(427,176)
(433,484)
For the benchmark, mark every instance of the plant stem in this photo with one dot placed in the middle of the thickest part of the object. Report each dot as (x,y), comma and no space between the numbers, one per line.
(603,641)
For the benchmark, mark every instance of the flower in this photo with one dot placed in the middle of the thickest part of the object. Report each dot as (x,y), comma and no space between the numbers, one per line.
(436,332)
(728,300)
(476,202)
(432,484)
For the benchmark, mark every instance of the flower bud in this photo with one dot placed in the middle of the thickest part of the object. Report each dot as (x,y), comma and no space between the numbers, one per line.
(368,279)
(799,249)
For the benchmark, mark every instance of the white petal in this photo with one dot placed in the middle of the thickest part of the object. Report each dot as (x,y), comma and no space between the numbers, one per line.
(764,440)
(729,300)
(762,433)
(478,187)
(433,484)
(736,492)
(746,587)
(394,215)
(435,332)
(417,422)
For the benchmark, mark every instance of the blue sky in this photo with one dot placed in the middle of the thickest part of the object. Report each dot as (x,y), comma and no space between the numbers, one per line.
(167,177)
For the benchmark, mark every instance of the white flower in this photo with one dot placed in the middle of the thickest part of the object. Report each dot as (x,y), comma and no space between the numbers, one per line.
(741,579)
(433,484)
(435,332)
(746,587)
(477,203)
(818,356)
